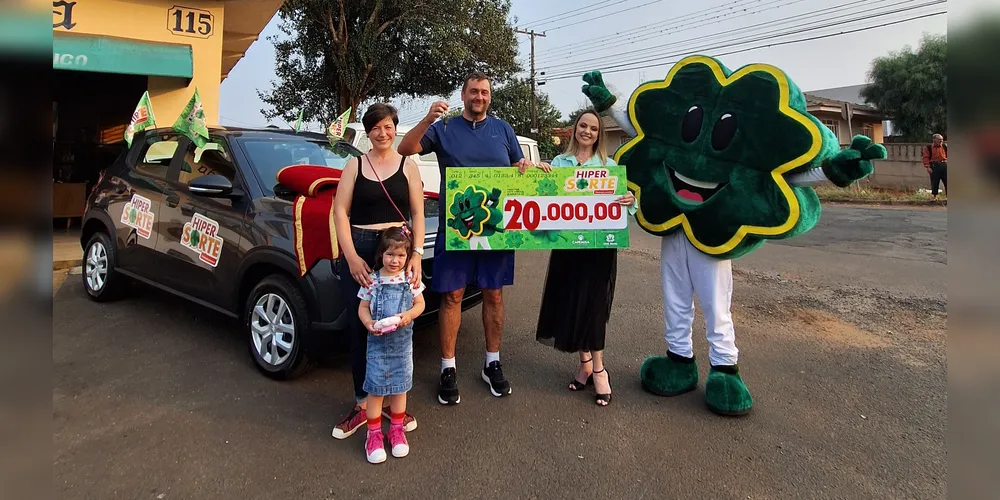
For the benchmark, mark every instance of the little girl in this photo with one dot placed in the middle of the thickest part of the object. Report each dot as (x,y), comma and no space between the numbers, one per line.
(390,348)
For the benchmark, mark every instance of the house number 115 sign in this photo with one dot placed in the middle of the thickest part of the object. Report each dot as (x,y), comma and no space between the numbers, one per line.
(186,21)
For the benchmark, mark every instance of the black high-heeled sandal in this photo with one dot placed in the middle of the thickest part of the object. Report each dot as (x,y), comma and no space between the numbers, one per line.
(576,385)
(606,398)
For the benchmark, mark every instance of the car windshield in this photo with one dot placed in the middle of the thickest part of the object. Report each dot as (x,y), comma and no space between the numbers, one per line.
(268,156)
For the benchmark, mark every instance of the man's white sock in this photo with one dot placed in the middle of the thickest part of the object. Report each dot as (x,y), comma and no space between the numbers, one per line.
(447,363)
(491,357)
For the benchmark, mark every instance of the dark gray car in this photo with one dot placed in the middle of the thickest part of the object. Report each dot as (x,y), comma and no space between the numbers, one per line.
(164,192)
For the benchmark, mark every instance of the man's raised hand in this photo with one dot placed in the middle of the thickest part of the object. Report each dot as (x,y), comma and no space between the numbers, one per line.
(438,109)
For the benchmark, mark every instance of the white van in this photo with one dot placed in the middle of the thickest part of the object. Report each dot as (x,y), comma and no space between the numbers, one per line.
(428,164)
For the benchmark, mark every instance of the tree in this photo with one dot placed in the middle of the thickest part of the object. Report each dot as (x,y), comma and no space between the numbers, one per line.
(971,102)
(341,53)
(511,102)
(911,88)
(568,122)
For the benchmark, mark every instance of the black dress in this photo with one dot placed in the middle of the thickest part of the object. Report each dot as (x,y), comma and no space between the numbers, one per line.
(576,303)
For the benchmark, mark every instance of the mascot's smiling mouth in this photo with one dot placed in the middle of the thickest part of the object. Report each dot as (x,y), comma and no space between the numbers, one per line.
(467,220)
(693,191)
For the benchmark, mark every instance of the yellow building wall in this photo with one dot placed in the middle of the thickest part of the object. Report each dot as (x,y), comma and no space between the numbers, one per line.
(150,20)
(877,134)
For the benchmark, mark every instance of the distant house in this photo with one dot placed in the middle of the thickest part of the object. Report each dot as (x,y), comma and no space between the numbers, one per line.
(616,136)
(867,120)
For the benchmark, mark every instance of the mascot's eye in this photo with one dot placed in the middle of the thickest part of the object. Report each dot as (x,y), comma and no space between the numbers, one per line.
(723,132)
(691,127)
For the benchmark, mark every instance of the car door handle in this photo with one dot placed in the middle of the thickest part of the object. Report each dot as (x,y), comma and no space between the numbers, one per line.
(172,201)
(187,209)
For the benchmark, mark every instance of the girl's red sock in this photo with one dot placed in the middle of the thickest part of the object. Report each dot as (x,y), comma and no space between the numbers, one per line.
(375,424)
(397,418)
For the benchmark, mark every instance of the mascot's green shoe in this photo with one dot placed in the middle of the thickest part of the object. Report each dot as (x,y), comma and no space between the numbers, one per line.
(725,392)
(669,375)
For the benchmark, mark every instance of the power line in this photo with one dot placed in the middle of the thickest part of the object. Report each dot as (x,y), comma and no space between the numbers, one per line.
(748,38)
(602,15)
(240,122)
(867,12)
(573,13)
(775,44)
(704,48)
(785,20)
(653,26)
(685,24)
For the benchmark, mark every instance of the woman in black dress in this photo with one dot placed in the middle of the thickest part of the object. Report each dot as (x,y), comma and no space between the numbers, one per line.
(576,305)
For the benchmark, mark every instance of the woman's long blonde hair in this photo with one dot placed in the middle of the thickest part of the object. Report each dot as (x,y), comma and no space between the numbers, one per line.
(599,149)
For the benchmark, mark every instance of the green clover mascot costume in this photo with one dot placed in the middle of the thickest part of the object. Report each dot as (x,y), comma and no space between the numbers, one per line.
(720,161)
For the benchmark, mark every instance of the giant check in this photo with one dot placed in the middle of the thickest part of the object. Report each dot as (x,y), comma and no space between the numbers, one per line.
(497,208)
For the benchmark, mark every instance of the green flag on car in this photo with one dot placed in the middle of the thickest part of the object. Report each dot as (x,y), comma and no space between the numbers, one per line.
(191,122)
(298,123)
(142,118)
(337,129)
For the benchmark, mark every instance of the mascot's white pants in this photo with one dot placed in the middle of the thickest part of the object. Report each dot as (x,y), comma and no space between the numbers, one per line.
(687,272)
(477,242)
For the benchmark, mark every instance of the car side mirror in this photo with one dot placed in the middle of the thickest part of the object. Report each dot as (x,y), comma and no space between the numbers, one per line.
(211,185)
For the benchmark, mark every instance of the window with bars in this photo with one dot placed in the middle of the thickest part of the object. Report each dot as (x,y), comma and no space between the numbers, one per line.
(868,130)
(834,126)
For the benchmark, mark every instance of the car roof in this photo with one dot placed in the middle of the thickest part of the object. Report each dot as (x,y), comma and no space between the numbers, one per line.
(240,131)
(252,132)
(260,133)
(361,128)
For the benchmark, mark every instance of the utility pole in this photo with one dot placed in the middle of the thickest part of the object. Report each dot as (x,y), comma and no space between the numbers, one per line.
(534,112)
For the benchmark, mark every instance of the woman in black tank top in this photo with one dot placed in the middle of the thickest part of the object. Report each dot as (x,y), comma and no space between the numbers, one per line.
(363,208)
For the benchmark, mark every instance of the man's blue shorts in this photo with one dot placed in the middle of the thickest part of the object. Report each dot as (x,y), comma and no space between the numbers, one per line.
(486,269)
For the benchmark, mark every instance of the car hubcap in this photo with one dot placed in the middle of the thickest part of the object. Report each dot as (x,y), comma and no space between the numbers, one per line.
(97,266)
(272,329)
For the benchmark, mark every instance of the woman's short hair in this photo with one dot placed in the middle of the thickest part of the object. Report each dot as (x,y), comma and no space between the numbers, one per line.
(376,113)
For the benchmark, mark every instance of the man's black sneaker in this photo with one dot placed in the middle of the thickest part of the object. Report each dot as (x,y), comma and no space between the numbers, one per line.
(493,375)
(448,390)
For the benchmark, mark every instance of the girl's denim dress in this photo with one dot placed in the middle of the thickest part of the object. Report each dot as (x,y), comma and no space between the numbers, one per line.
(390,356)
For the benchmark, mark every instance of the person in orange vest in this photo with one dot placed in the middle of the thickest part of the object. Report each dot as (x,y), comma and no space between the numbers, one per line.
(936,163)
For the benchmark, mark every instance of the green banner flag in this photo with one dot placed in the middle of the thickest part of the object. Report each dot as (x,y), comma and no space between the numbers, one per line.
(191,122)
(339,126)
(497,208)
(142,118)
(298,123)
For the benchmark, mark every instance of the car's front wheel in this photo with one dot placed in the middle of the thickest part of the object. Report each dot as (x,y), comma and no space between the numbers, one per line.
(276,319)
(99,261)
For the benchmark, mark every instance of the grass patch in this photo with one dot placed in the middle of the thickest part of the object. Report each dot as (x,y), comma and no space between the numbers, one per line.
(859,193)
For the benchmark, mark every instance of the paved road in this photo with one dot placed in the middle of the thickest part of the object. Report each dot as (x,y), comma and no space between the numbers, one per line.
(842,343)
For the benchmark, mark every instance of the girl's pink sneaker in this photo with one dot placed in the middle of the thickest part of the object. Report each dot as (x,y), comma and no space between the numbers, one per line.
(397,439)
(375,447)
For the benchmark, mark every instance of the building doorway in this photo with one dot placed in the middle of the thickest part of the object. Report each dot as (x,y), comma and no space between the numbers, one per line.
(89,114)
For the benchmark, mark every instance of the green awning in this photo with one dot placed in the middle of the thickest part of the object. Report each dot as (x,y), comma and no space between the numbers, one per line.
(115,55)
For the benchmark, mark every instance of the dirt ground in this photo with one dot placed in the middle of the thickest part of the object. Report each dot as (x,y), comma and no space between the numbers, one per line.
(842,343)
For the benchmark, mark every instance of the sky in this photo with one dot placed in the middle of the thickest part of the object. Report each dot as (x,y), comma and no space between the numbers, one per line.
(619,36)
